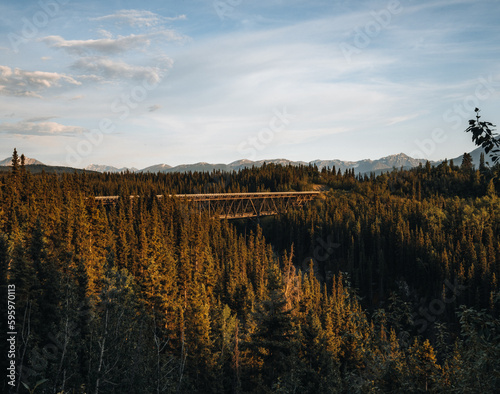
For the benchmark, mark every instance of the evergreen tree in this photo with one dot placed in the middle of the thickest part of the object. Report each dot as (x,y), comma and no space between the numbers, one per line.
(146,296)
(490,190)
(423,369)
(275,341)
(482,165)
(15,162)
(466,162)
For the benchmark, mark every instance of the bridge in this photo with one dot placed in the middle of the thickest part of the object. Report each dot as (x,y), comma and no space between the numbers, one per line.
(237,205)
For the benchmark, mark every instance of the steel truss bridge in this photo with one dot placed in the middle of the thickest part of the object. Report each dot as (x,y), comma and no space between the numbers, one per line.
(237,205)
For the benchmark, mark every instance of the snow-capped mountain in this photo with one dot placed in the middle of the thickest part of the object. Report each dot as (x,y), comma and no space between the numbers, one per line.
(27,161)
(361,166)
(105,168)
(208,167)
(365,166)
(156,168)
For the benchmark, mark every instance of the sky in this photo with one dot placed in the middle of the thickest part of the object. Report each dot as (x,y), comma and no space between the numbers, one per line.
(138,83)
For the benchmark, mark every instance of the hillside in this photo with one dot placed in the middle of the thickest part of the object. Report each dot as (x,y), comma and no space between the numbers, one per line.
(39,168)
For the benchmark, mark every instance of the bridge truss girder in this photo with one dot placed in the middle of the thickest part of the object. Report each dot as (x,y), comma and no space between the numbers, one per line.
(236,205)
(245,205)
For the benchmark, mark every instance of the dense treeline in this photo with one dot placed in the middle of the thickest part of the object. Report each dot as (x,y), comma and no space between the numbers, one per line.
(269,177)
(387,283)
(406,227)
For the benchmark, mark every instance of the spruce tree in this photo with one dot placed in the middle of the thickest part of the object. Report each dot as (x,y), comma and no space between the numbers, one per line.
(466,162)
(275,341)
(15,162)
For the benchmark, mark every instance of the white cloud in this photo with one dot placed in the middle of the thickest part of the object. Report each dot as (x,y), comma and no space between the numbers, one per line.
(102,45)
(77,97)
(38,127)
(17,82)
(112,69)
(105,33)
(402,118)
(40,119)
(139,18)
(108,45)
(230,78)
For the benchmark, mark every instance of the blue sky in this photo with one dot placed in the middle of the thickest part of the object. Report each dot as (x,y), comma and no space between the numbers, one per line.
(129,83)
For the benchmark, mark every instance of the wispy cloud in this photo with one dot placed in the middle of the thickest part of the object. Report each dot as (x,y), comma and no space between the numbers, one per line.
(109,69)
(38,127)
(17,82)
(138,18)
(77,97)
(410,73)
(403,118)
(110,46)
(40,119)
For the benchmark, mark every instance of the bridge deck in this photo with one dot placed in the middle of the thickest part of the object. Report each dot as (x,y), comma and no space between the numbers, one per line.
(237,205)
(238,196)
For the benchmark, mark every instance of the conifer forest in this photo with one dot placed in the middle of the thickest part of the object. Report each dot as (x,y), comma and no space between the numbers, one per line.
(383,284)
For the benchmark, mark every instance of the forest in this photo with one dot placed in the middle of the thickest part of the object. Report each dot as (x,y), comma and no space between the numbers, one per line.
(384,284)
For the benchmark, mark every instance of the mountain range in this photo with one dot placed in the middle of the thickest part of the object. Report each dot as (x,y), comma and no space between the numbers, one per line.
(27,161)
(365,166)
(362,166)
(105,168)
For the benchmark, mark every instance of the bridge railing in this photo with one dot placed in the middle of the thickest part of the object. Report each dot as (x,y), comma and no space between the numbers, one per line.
(237,205)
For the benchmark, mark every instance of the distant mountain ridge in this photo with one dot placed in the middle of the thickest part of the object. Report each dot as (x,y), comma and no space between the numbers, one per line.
(105,168)
(199,167)
(361,166)
(36,167)
(365,166)
(476,157)
(387,163)
(27,161)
